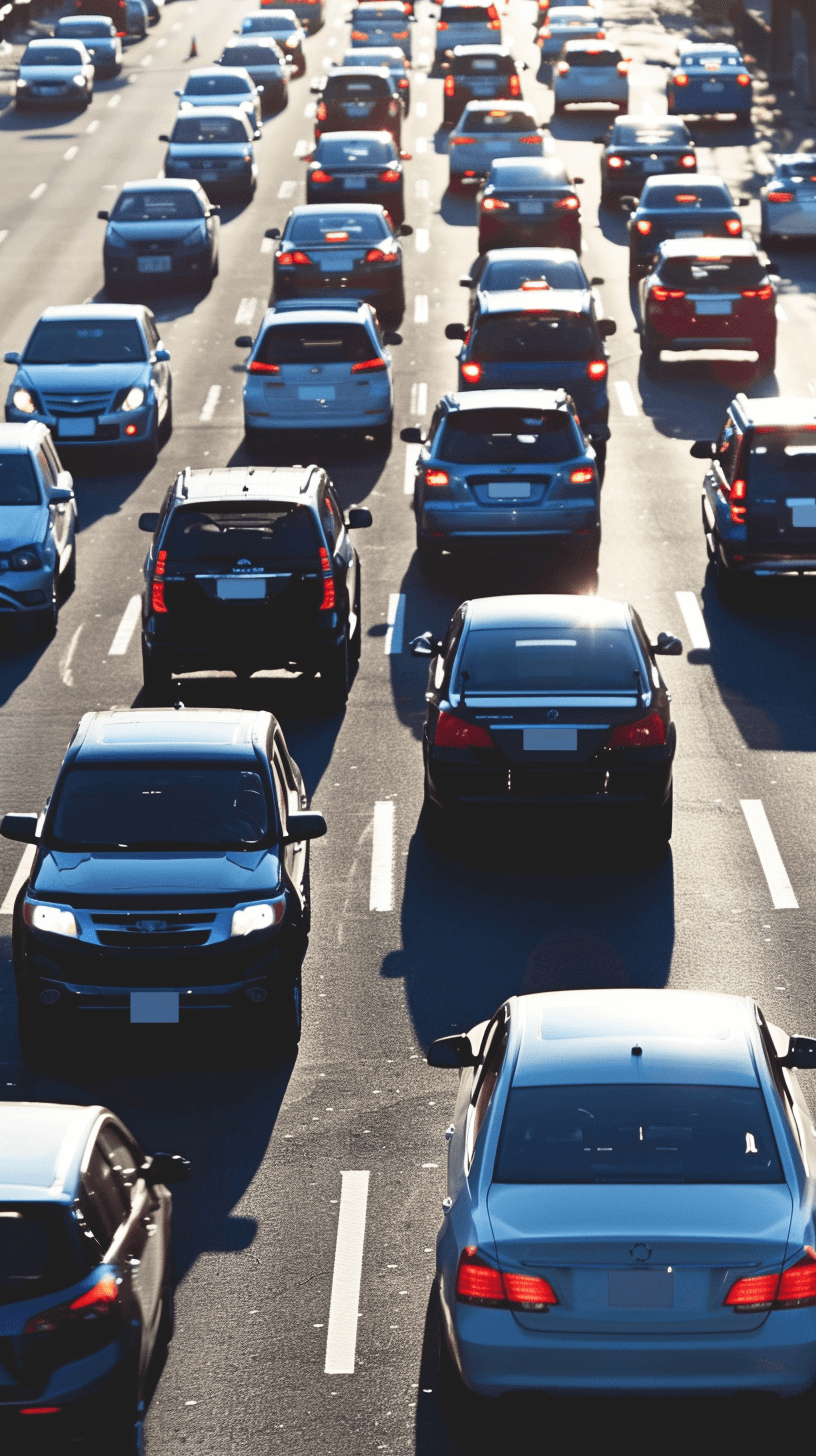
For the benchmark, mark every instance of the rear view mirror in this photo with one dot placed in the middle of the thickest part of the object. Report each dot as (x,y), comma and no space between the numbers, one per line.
(594,282)
(405,230)
(702,450)
(60,495)
(272,233)
(455,331)
(359,517)
(166,1168)
(244,341)
(607,327)
(628,204)
(465,281)
(148,521)
(406,156)
(412,435)
(576,181)
(667,646)
(162,138)
(305,825)
(22,827)
(452,1051)
(103,214)
(392,337)
(425,645)
(744,201)
(801,1053)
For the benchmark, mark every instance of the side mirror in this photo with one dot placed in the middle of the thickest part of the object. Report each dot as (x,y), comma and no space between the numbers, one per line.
(392,337)
(244,341)
(148,521)
(412,435)
(60,495)
(163,137)
(465,281)
(702,450)
(304,825)
(801,1053)
(594,282)
(65,481)
(259,89)
(103,214)
(425,645)
(607,327)
(273,233)
(667,646)
(744,201)
(22,827)
(177,91)
(166,1168)
(162,356)
(598,434)
(215,207)
(358,517)
(452,1051)
(257,135)
(599,141)
(405,230)
(455,331)
(628,204)
(12,357)
(576,181)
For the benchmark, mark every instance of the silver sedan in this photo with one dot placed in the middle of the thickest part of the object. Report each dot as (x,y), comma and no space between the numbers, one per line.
(788,200)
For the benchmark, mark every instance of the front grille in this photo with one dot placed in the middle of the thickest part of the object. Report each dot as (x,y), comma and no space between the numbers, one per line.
(152,932)
(158,906)
(133,940)
(167,245)
(97,403)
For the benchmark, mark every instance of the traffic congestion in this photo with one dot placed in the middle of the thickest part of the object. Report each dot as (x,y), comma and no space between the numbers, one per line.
(418,393)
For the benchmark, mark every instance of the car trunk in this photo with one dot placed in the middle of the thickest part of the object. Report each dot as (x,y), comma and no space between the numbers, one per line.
(696,223)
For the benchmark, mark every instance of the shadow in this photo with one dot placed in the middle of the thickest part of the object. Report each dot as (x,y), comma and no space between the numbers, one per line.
(580,126)
(612,222)
(441,140)
(40,124)
(687,398)
(712,131)
(103,481)
(355,469)
(19,655)
(458,210)
(166,306)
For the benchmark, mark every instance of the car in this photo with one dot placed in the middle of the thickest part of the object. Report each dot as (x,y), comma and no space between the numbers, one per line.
(394,61)
(548,339)
(547,702)
(85,1238)
(530,270)
(285,28)
(222,86)
(214,145)
(638,147)
(501,471)
(54,73)
(38,516)
(335,249)
(98,375)
(569,22)
(365,163)
(264,61)
(529,201)
(99,37)
(354,99)
(628,1211)
(160,230)
(485,131)
(788,199)
(330,369)
(189,832)
(678,206)
(589,72)
(759,492)
(466,25)
(479,73)
(137,19)
(710,78)
(545,6)
(252,569)
(702,295)
(308,13)
(382,24)
(154,10)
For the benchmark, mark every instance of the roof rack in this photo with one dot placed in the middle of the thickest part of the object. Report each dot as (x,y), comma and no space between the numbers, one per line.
(296,305)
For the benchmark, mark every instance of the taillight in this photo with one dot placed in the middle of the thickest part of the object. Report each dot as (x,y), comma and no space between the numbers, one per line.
(582,476)
(359,35)
(743,79)
(399,35)
(472,372)
(258,367)
(452,732)
(334,238)
(450,85)
(689,160)
(661,294)
(686,197)
(494,25)
(98,1302)
(736,495)
(321,112)
(681,79)
(763,293)
(368,366)
(644,226)
(157,602)
(477,1282)
(562,68)
(328,602)
(596,368)
(390,175)
(437,477)
(376,255)
(779,196)
(462,141)
(494,204)
(792,1289)
(600,35)
(615,163)
(733,225)
(534,285)
(403,83)
(321,176)
(515,86)
(623,68)
(643,733)
(530,141)
(567,204)
(295,259)
(441,24)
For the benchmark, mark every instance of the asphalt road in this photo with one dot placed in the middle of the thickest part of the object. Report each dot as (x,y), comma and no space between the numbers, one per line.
(256,1230)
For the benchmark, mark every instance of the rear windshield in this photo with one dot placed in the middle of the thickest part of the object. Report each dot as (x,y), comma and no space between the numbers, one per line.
(51,56)
(677,197)
(332,152)
(483,65)
(215,85)
(18,481)
(252,55)
(224,535)
(520,178)
(86,341)
(372,56)
(511,275)
(326,227)
(637,1134)
(499,121)
(720,275)
(628,134)
(593,58)
(377,12)
(550,659)
(705,58)
(38,1252)
(468,14)
(573,15)
(276,24)
(214,130)
(86,29)
(784,466)
(160,806)
(316,343)
(508,437)
(527,337)
(156,206)
(800,171)
(356,88)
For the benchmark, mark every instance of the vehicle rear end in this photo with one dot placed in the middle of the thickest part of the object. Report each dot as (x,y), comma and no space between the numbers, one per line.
(712,301)
(485,132)
(355,254)
(680,207)
(478,73)
(709,86)
(353,102)
(566,23)
(310,13)
(317,374)
(522,342)
(358,167)
(635,153)
(512,214)
(589,73)
(766,517)
(789,203)
(378,26)
(467,25)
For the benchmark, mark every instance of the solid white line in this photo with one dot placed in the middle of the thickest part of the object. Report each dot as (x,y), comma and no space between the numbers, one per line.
(421,145)
(114,101)
(310,110)
(65,666)
(303,149)
(395,622)
(422,108)
(21,873)
(286,190)
(421,308)
(70,154)
(267,245)
(246,311)
(4,232)
(421,187)
(381,896)
(38,191)
(210,403)
(693,618)
(411,457)
(769,856)
(780,314)
(94,125)
(422,240)
(626,398)
(125,630)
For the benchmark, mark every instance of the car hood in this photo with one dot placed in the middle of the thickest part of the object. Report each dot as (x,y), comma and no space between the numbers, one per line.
(22,525)
(82,378)
(198,872)
(50,73)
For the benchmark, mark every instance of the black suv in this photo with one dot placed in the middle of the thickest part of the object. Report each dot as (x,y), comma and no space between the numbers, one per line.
(251,568)
(360,98)
(171,875)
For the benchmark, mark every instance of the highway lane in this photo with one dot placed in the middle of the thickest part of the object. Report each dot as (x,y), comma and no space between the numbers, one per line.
(256,1231)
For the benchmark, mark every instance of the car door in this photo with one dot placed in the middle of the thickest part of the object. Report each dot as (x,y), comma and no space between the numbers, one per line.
(159,370)
(291,800)
(61,515)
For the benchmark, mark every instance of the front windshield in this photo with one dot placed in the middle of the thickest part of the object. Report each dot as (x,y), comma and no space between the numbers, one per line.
(86,341)
(507,437)
(156,207)
(51,56)
(336,227)
(18,482)
(160,806)
(565,658)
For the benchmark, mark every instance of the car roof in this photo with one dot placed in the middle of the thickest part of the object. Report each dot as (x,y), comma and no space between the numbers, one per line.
(687,1037)
(15,438)
(686,181)
(303,310)
(41,1150)
(252,482)
(482,50)
(698,47)
(92,311)
(373,70)
(525,107)
(208,113)
(41,43)
(795,159)
(343,209)
(549,169)
(784,410)
(153,733)
(82,20)
(546,609)
(240,72)
(270,14)
(591,47)
(365,53)
(534,255)
(164,184)
(517,399)
(356,136)
(558,300)
(562,12)
(466,4)
(707,250)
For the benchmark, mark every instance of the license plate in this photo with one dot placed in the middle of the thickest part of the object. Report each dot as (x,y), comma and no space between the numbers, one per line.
(50,90)
(337,263)
(509,489)
(712,305)
(241,588)
(315,391)
(713,86)
(356,184)
(550,740)
(154,1007)
(530,209)
(689,233)
(162,263)
(640,1289)
(803,512)
(76,429)
(652,165)
(501,148)
(356,108)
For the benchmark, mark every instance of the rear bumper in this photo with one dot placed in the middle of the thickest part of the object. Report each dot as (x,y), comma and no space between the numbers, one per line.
(777,222)
(540,233)
(192,263)
(711,335)
(268,650)
(514,785)
(566,95)
(555,527)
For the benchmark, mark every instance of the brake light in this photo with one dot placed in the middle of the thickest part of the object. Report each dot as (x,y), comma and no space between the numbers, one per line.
(689,160)
(321,112)
(743,79)
(733,225)
(369,366)
(450,85)
(494,25)
(453,732)
(494,204)
(390,175)
(399,35)
(497,113)
(477,1282)
(737,494)
(544,34)
(40,1410)
(644,226)
(615,163)
(623,68)
(792,1289)
(686,197)
(530,141)
(359,35)
(780,196)
(563,68)
(157,602)
(596,368)
(472,373)
(764,293)
(515,86)
(335,237)
(462,141)
(643,733)
(534,285)
(441,24)
(437,477)
(681,79)
(661,294)
(98,1302)
(582,477)
(321,176)
(567,204)
(328,603)
(600,35)
(403,83)
(258,367)
(296,259)
(376,255)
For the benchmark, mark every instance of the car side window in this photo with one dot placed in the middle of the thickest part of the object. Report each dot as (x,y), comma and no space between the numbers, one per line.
(328,519)
(53,459)
(495,1049)
(46,467)
(337,509)
(728,447)
(152,332)
(104,1200)
(123,1155)
(449,645)
(281,795)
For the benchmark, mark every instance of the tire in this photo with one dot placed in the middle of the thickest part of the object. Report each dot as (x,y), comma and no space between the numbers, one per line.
(582,564)
(67,581)
(730,586)
(766,362)
(157,679)
(649,353)
(634,273)
(607,197)
(436,824)
(167,1319)
(167,422)
(462,1411)
(600,459)
(335,674)
(47,620)
(149,453)
(280,1022)
(37,1035)
(356,641)
(658,825)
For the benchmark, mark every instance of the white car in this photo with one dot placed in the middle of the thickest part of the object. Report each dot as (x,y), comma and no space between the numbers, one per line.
(591,71)
(486,130)
(788,199)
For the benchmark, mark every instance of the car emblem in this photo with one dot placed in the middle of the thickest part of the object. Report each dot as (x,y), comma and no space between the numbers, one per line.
(244,562)
(641,1253)
(149,926)
(552,715)
(314,371)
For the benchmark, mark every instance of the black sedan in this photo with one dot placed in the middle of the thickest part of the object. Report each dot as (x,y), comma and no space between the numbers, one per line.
(679,207)
(529,200)
(638,147)
(530,270)
(548,701)
(161,230)
(337,249)
(360,166)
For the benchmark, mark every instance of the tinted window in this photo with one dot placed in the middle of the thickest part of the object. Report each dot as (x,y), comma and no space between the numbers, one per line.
(721,275)
(637,1134)
(783,466)
(801,171)
(513,274)
(316,343)
(527,337)
(38,1251)
(594,58)
(122,1156)
(209,129)
(156,206)
(51,56)
(86,29)
(215,85)
(104,1201)
(701,58)
(18,481)
(275,24)
(467,14)
(160,806)
(86,341)
(373,152)
(483,66)
(537,659)
(252,55)
(499,122)
(677,197)
(629,134)
(508,436)
(526,177)
(223,535)
(336,227)
(340,88)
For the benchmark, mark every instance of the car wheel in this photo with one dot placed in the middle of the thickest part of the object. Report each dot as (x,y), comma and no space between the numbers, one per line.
(38,1033)
(600,459)
(607,197)
(280,1022)
(462,1410)
(67,581)
(335,674)
(623,108)
(47,620)
(582,564)
(634,272)
(157,679)
(149,452)
(730,585)
(167,422)
(649,353)
(356,641)
(559,108)
(658,825)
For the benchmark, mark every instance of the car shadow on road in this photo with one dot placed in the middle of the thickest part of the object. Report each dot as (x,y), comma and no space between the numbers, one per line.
(354,469)
(687,397)
(457,210)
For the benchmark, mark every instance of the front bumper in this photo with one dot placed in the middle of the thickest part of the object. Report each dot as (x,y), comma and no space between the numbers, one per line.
(24,592)
(70,96)
(109,429)
(189,263)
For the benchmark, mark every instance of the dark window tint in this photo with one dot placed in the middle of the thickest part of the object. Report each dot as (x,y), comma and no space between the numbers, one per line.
(160,806)
(336,227)
(728,448)
(527,337)
(508,437)
(637,1134)
(104,1201)
(597,59)
(220,536)
(801,171)
(467,14)
(512,274)
(538,659)
(122,1155)
(51,56)
(371,152)
(712,275)
(252,55)
(523,178)
(85,29)
(629,134)
(676,197)
(216,85)
(214,130)
(345,88)
(486,1085)
(86,341)
(784,466)
(701,58)
(316,344)
(483,66)
(39,1251)
(18,481)
(274,24)
(499,122)
(157,206)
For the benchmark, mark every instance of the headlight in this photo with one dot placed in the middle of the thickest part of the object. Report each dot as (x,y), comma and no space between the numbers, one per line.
(49,918)
(134,398)
(22,400)
(25,558)
(196,238)
(114,240)
(78,80)
(21,81)
(257,917)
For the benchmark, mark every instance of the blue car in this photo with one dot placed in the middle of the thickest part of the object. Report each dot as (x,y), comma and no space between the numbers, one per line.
(99,36)
(37,528)
(710,79)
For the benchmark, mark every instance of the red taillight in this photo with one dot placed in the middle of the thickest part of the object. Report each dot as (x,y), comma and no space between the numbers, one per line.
(779,196)
(328,602)
(399,35)
(40,1410)
(750,1294)
(359,35)
(544,34)
(686,197)
(494,25)
(333,238)
(737,494)
(792,1289)
(441,24)
(437,477)
(644,733)
(582,477)
(763,293)
(472,372)
(258,367)
(528,1291)
(497,113)
(452,732)
(376,255)
(369,366)
(450,86)
(321,176)
(295,259)
(733,225)
(615,163)
(644,226)
(689,160)
(157,601)
(515,86)
(530,141)
(477,1282)
(403,83)
(596,368)
(567,204)
(563,68)
(743,79)
(390,175)
(494,204)
(661,294)
(623,68)
(321,112)
(681,79)
(100,1300)
(462,141)
(600,35)
(97,1300)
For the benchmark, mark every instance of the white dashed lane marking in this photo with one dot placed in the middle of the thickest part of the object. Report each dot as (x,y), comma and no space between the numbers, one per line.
(780,314)
(246,311)
(210,404)
(421,308)
(267,245)
(381,894)
(4,232)
(422,240)
(21,874)
(126,628)
(70,154)
(419,399)
(421,145)
(422,108)
(693,618)
(65,666)
(286,190)
(395,624)
(94,125)
(626,398)
(114,101)
(302,149)
(769,856)
(38,191)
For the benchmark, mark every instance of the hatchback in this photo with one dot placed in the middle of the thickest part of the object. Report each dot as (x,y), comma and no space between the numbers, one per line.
(363,166)
(507,471)
(337,249)
(98,375)
(529,201)
(394,61)
(286,29)
(529,270)
(355,99)
(678,207)
(265,64)
(380,25)
(87,1292)
(548,701)
(474,24)
(569,22)
(160,230)
(220,86)
(55,73)
(318,364)
(308,13)
(479,73)
(788,199)
(629,1211)
(709,296)
(486,131)
(214,145)
(708,79)
(38,516)
(640,147)
(589,72)
(99,37)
